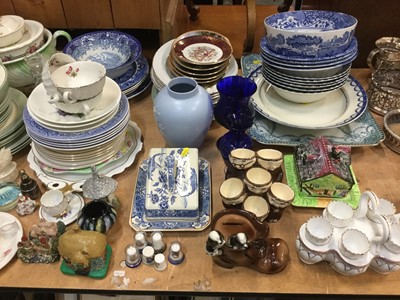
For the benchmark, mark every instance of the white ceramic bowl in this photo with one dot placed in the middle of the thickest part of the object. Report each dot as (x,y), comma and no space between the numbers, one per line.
(32,39)
(258,180)
(318,231)
(258,205)
(4,85)
(19,72)
(269,159)
(280,195)
(232,191)
(301,97)
(242,158)
(309,33)
(11,29)
(354,243)
(340,214)
(79,80)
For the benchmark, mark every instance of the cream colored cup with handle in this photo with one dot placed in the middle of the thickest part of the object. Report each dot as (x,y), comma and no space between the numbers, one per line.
(54,203)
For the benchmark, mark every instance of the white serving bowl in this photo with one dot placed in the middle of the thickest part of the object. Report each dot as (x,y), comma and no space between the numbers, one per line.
(32,39)
(299,97)
(11,29)
(79,80)
(309,33)
(19,72)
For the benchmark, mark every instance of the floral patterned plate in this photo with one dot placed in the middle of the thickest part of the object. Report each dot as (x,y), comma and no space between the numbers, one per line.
(138,219)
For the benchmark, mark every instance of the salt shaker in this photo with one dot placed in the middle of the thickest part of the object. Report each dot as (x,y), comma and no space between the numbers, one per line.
(175,255)
(148,255)
(140,240)
(157,242)
(160,262)
(132,256)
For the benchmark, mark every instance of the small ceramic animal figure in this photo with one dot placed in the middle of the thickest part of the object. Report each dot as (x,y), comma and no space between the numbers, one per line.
(214,243)
(238,241)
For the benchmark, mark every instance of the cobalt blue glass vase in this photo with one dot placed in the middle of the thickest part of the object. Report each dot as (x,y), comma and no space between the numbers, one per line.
(235,112)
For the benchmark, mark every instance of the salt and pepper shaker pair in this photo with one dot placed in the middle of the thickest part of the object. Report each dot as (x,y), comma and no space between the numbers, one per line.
(151,252)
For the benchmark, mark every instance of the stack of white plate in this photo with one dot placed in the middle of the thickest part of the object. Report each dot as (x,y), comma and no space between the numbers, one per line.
(161,72)
(12,102)
(107,47)
(65,146)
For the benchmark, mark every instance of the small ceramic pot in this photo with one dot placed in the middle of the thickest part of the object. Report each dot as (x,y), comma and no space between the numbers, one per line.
(79,80)
(54,203)
(11,29)
(354,243)
(318,231)
(257,205)
(258,180)
(242,158)
(269,159)
(97,215)
(232,192)
(339,214)
(280,195)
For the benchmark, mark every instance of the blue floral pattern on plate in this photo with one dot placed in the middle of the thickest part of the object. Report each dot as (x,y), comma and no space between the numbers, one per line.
(140,89)
(135,75)
(34,128)
(138,219)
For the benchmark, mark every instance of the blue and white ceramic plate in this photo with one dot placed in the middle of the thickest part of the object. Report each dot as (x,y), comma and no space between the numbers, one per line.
(141,88)
(362,132)
(135,75)
(72,137)
(338,108)
(138,220)
(90,40)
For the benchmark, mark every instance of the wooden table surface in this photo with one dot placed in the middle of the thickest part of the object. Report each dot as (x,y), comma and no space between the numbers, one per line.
(376,168)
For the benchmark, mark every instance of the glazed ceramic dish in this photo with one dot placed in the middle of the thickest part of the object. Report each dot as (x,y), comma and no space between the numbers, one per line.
(309,33)
(138,220)
(9,243)
(338,108)
(201,47)
(32,39)
(11,29)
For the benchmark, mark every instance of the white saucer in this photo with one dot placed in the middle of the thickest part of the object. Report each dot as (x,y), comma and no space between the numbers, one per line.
(338,108)
(40,109)
(74,206)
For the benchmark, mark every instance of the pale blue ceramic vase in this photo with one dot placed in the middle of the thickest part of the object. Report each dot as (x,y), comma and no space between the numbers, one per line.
(183,112)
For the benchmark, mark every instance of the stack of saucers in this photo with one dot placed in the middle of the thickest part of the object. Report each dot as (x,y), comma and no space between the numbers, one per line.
(203,55)
(120,53)
(12,102)
(65,145)
(308,54)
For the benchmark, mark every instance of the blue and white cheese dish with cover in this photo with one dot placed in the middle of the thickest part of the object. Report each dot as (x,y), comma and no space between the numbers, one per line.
(172,184)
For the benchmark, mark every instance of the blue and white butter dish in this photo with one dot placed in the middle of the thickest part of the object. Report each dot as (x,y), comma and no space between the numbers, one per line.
(172,184)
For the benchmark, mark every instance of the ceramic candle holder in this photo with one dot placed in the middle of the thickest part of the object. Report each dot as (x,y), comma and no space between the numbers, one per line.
(232,192)
(258,180)
(242,158)
(54,203)
(319,231)
(340,214)
(269,159)
(257,205)
(354,243)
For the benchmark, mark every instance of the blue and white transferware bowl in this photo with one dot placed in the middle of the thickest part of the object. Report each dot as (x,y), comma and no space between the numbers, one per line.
(114,49)
(309,33)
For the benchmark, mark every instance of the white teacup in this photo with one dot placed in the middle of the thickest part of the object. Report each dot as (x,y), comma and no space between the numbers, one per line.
(79,80)
(54,203)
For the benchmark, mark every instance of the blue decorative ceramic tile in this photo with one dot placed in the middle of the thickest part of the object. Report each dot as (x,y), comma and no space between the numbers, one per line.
(138,214)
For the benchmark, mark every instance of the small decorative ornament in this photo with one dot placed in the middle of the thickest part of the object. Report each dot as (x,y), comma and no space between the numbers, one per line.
(157,242)
(25,205)
(8,168)
(160,263)
(132,256)
(101,187)
(28,186)
(148,255)
(176,256)
(140,240)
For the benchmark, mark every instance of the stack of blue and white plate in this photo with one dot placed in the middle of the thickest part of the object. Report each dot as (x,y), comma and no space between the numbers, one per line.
(120,53)
(308,54)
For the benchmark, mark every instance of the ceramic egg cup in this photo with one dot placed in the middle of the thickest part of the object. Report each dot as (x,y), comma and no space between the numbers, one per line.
(353,244)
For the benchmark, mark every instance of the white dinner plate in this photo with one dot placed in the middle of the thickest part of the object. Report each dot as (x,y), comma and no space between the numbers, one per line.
(338,108)
(9,244)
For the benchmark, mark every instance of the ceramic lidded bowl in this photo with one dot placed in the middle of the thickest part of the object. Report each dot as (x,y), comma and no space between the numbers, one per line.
(280,195)
(242,158)
(340,214)
(232,191)
(257,205)
(258,180)
(354,243)
(11,29)
(309,33)
(79,80)
(318,231)
(269,159)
